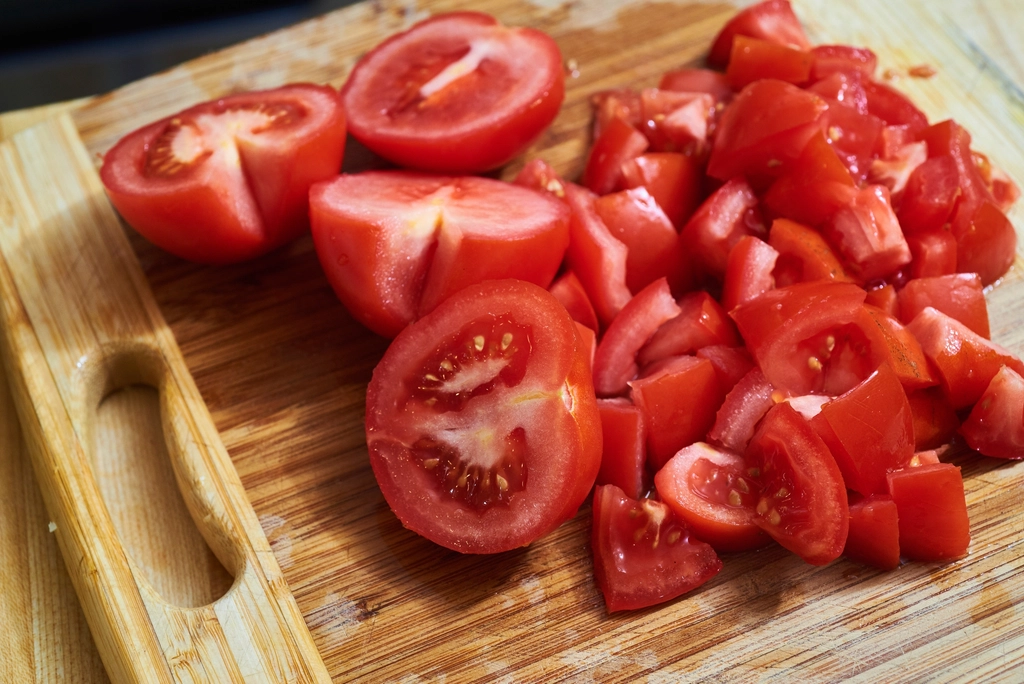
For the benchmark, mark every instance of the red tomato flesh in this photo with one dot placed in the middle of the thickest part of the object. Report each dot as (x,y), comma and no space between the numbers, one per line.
(711,490)
(481,422)
(743,408)
(228,180)
(772,20)
(624,460)
(932,512)
(395,244)
(960,296)
(802,502)
(995,426)
(456,93)
(874,533)
(643,554)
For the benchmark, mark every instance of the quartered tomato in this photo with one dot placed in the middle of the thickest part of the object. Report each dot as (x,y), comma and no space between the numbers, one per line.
(457,92)
(394,244)
(481,421)
(228,180)
(643,554)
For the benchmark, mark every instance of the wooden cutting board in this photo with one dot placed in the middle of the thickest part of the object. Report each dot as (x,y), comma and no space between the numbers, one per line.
(282,368)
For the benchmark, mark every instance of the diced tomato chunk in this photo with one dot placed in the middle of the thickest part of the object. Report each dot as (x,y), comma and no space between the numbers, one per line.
(932,512)
(676,121)
(744,406)
(731,363)
(672,178)
(987,245)
(619,142)
(753,59)
(869,430)
(718,224)
(995,426)
(935,420)
(869,236)
(569,292)
(830,59)
(711,490)
(814,188)
(748,273)
(804,255)
(702,322)
(934,254)
(679,404)
(874,533)
(615,104)
(771,20)
(893,107)
(707,81)
(959,295)
(615,361)
(539,175)
(885,298)
(895,172)
(625,446)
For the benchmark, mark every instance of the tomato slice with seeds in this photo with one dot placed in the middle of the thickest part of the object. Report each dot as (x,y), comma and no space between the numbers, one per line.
(457,92)
(802,504)
(710,489)
(643,554)
(394,244)
(228,180)
(481,422)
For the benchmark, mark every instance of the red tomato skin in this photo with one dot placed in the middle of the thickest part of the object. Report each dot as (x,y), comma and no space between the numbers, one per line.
(674,121)
(615,361)
(743,408)
(830,59)
(565,425)
(965,361)
(932,510)
(644,555)
(731,363)
(538,175)
(513,94)
(874,533)
(196,215)
(959,295)
(814,188)
(672,178)
(623,103)
(701,322)
(691,484)
(679,404)
(935,420)
(634,218)
(764,130)
(714,83)
(804,255)
(869,430)
(988,245)
(893,107)
(619,142)
(718,224)
(885,299)
(868,235)
(931,193)
(625,447)
(891,343)
(803,503)
(569,292)
(934,254)
(752,59)
(995,426)
(595,256)
(772,20)
(748,273)
(466,230)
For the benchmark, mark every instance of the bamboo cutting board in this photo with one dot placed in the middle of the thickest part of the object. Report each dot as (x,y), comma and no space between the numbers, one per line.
(283,369)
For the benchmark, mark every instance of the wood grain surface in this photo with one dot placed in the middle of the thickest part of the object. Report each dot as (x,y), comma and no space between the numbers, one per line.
(282,368)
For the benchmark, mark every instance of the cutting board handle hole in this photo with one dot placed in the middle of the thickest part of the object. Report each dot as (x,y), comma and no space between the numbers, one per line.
(132,464)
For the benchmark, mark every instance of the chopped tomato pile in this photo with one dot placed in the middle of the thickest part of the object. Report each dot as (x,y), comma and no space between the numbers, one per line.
(759,318)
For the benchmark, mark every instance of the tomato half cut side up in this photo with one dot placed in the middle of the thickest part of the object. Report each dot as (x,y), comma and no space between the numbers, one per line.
(394,244)
(643,554)
(710,489)
(802,504)
(457,92)
(228,180)
(481,422)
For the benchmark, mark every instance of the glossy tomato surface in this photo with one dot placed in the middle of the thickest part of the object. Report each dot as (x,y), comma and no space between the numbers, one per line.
(457,92)
(644,554)
(395,244)
(932,512)
(228,180)
(481,422)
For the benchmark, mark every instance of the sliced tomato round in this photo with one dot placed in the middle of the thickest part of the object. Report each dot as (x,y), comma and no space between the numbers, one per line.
(457,92)
(481,422)
(228,180)
(802,502)
(643,554)
(710,489)
(395,244)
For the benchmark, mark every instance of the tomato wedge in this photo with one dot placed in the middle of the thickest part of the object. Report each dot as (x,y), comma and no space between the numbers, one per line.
(802,504)
(228,180)
(643,554)
(394,244)
(481,422)
(456,93)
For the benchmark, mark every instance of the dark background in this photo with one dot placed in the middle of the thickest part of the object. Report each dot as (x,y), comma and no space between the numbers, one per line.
(52,50)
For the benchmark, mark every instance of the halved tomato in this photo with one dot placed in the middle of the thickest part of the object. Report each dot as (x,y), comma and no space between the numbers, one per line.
(802,502)
(395,244)
(710,489)
(456,93)
(481,422)
(643,554)
(228,180)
